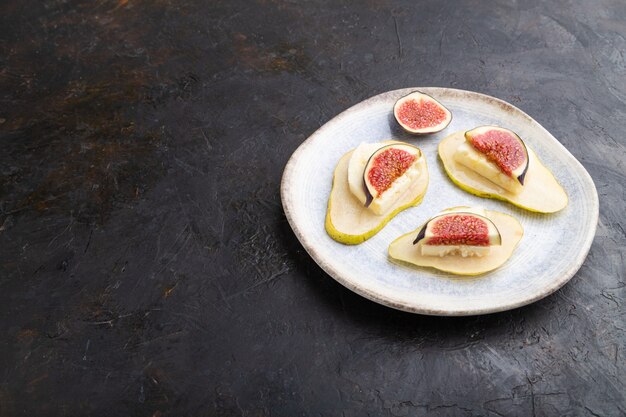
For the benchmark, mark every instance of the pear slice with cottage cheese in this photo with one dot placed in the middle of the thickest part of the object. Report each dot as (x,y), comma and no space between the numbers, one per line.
(460,240)
(463,231)
(538,190)
(352,216)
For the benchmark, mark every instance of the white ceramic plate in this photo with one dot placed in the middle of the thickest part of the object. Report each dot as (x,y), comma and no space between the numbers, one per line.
(553,248)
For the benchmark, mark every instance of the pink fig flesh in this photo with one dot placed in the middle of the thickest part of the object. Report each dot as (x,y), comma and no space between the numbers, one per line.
(502,147)
(458,229)
(420,114)
(384,167)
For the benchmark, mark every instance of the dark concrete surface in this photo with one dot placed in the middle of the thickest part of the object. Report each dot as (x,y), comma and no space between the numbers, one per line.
(146,266)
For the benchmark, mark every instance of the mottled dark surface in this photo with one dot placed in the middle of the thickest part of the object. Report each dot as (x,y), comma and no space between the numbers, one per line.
(146,266)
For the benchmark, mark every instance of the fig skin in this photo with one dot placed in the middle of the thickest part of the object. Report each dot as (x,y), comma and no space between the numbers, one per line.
(424,131)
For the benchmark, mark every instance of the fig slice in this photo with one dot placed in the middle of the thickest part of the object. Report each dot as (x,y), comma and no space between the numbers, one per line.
(503,147)
(420,114)
(459,228)
(348,221)
(541,191)
(403,250)
(388,173)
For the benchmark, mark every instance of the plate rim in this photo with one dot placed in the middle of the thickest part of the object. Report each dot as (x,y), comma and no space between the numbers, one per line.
(287,204)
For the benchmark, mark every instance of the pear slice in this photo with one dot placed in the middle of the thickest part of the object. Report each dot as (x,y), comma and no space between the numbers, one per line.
(541,191)
(348,221)
(402,250)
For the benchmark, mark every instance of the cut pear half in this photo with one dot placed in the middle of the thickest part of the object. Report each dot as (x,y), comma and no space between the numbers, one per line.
(348,221)
(421,114)
(403,251)
(541,191)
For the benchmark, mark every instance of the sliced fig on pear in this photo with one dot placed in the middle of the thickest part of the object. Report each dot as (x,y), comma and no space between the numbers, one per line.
(501,232)
(503,147)
(459,228)
(421,114)
(388,174)
(348,221)
(456,231)
(540,193)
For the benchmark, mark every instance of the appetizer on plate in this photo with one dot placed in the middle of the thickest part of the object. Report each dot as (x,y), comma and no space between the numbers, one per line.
(493,162)
(372,184)
(460,240)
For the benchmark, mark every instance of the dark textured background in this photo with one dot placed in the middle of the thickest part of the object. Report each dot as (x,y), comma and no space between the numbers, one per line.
(146,266)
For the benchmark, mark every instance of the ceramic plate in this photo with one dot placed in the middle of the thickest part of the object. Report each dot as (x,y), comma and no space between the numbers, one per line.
(553,248)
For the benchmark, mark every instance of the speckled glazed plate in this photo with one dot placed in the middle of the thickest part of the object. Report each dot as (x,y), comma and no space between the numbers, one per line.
(553,248)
